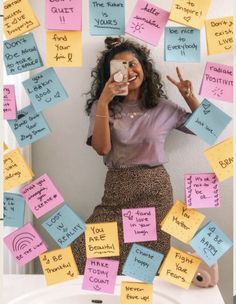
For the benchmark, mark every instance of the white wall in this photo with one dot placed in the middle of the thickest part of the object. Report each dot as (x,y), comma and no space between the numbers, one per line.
(76,169)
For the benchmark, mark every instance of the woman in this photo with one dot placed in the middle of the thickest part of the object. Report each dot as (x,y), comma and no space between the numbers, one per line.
(130,132)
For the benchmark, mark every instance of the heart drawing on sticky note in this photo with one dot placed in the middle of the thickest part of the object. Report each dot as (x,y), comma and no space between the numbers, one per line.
(206,106)
(128,215)
(187,18)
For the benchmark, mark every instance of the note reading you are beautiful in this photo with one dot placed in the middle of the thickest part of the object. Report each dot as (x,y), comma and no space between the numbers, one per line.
(9,102)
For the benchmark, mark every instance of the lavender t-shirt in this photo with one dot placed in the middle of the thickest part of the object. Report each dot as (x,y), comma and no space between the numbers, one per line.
(138,136)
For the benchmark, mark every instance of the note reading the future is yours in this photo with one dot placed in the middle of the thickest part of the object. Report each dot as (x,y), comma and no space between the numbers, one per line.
(9,102)
(13,209)
(147,22)
(59,265)
(202,190)
(136,293)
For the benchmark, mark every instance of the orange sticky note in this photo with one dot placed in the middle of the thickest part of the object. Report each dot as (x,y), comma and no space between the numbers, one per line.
(19,18)
(59,265)
(179,267)
(136,293)
(102,240)
(16,170)
(182,222)
(190,13)
(219,35)
(221,159)
(64,48)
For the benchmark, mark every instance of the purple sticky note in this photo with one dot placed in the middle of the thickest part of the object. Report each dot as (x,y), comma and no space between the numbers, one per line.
(25,244)
(100,275)
(202,190)
(9,102)
(147,22)
(41,195)
(64,15)
(217,82)
(139,225)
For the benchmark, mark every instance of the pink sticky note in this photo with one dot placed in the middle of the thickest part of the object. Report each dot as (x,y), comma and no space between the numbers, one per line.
(25,244)
(9,102)
(147,22)
(202,190)
(41,195)
(139,225)
(64,15)
(217,82)
(100,275)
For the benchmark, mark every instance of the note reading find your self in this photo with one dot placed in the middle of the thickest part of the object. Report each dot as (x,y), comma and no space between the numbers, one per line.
(139,225)
(13,209)
(9,102)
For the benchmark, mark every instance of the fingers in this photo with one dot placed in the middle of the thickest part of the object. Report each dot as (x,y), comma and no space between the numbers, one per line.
(118,87)
(172,80)
(179,74)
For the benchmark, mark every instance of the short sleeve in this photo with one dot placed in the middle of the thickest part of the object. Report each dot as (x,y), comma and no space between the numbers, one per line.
(92,117)
(182,117)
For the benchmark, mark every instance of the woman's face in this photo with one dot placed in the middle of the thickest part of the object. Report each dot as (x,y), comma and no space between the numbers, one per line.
(135,71)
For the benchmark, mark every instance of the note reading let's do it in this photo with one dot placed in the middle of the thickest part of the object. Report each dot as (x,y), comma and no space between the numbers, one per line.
(102,240)
(13,209)
(136,293)
(147,22)
(139,225)
(100,275)
(59,265)
(25,244)
(42,195)
(64,226)
(9,102)
(64,15)
(107,17)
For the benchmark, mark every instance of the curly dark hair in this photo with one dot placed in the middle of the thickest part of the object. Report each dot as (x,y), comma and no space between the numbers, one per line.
(151,89)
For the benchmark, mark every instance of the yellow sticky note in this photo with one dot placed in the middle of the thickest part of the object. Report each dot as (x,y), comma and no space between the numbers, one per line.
(182,222)
(179,267)
(59,265)
(5,147)
(219,35)
(190,12)
(221,159)
(136,293)
(64,48)
(19,18)
(16,170)
(102,240)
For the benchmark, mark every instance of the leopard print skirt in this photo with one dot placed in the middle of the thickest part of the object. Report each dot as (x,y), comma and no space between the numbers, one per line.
(135,187)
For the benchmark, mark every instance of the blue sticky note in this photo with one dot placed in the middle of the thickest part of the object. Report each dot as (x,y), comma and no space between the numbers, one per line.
(208,122)
(13,209)
(29,126)
(182,44)
(107,17)
(142,263)
(21,54)
(210,243)
(44,89)
(64,226)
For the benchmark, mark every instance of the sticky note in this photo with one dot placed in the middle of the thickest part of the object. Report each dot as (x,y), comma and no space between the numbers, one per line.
(59,265)
(29,126)
(44,89)
(5,147)
(221,159)
(182,44)
(217,82)
(210,243)
(208,121)
(136,293)
(179,268)
(100,275)
(13,209)
(102,240)
(191,13)
(147,22)
(64,226)
(9,102)
(202,190)
(64,15)
(16,170)
(181,222)
(21,54)
(19,18)
(219,35)
(42,195)
(139,225)
(25,244)
(64,48)
(107,17)
(142,263)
